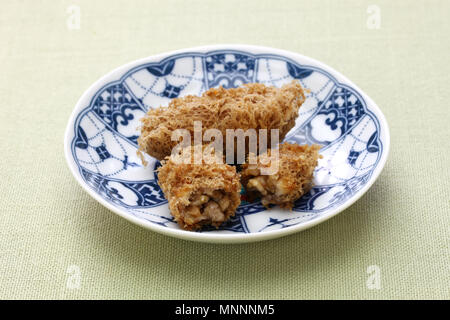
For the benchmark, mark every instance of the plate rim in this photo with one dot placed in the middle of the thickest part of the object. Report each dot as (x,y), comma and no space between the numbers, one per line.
(212,237)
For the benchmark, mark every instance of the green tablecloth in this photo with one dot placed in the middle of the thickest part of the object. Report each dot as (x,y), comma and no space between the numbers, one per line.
(57,242)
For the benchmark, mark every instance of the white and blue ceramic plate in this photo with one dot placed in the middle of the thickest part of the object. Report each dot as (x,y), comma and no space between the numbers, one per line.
(100,140)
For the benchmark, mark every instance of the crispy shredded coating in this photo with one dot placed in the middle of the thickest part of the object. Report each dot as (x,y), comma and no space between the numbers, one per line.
(292,180)
(208,193)
(252,106)
(201,194)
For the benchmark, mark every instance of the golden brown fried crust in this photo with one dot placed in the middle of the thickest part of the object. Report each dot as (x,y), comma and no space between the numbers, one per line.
(200,194)
(252,106)
(292,180)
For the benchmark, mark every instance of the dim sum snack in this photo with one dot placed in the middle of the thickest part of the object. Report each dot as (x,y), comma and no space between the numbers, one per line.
(252,106)
(204,193)
(293,178)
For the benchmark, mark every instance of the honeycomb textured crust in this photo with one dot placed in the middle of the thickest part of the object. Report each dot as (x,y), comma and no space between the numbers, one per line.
(292,180)
(252,106)
(201,194)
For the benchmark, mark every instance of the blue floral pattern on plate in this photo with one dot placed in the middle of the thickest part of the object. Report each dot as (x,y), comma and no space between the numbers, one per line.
(335,115)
